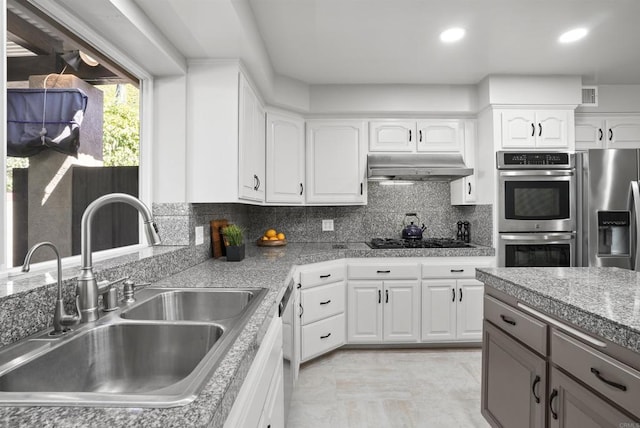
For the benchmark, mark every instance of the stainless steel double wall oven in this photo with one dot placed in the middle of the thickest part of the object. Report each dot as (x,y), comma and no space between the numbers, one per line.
(537,209)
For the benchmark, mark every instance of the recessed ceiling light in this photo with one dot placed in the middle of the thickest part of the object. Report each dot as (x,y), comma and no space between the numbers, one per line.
(452,35)
(572,35)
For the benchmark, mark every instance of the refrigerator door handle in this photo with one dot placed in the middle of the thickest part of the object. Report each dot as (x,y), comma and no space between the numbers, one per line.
(634,208)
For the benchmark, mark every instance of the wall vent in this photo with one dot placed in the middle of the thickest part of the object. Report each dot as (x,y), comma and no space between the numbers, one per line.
(590,96)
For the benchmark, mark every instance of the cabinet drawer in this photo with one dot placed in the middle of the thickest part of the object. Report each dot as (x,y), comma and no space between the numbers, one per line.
(611,378)
(322,336)
(321,275)
(322,302)
(528,330)
(382,272)
(448,271)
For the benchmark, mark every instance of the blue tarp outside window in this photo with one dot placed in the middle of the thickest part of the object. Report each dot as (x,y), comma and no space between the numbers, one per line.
(39,119)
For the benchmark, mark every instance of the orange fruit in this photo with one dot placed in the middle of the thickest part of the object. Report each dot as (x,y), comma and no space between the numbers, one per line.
(273,238)
(270,233)
(264,238)
(280,236)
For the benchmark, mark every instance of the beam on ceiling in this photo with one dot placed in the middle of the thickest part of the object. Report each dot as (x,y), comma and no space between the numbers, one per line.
(30,37)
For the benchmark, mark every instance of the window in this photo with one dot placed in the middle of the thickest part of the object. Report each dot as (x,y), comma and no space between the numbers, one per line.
(51,71)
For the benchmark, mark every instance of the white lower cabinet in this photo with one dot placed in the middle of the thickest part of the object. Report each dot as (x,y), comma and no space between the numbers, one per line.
(452,310)
(261,397)
(322,306)
(383,311)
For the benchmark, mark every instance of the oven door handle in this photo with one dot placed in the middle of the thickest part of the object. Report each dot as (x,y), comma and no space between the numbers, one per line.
(634,209)
(546,237)
(537,173)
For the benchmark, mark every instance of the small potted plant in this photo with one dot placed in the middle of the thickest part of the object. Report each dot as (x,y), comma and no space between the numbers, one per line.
(233,242)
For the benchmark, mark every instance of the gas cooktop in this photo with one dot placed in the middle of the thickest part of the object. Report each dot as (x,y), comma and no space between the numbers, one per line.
(386,243)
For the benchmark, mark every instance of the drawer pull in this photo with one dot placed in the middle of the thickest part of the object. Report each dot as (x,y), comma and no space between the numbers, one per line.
(326,303)
(507,320)
(554,394)
(325,336)
(383,271)
(325,276)
(457,270)
(607,381)
(536,381)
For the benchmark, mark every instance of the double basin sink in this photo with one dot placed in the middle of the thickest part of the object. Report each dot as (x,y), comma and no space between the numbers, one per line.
(156,352)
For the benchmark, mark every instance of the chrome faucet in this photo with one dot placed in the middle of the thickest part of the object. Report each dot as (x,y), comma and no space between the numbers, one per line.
(87,289)
(61,320)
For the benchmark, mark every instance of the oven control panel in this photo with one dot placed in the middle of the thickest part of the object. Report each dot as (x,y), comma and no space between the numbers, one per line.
(533,160)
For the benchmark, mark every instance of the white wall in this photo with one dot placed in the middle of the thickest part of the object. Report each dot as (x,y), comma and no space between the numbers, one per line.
(392,99)
(529,90)
(170,139)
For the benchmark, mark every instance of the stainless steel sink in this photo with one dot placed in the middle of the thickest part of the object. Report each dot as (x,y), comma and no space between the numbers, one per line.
(162,359)
(192,305)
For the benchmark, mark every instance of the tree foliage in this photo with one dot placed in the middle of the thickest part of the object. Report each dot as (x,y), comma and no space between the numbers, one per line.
(121,128)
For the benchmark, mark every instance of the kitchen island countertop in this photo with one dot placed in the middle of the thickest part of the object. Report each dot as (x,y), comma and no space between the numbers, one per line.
(602,301)
(266,267)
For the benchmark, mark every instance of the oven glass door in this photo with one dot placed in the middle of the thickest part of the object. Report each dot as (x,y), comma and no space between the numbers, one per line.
(537,250)
(531,201)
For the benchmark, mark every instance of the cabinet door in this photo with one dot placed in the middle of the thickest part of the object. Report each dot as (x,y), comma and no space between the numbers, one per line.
(463,190)
(623,133)
(273,411)
(392,136)
(251,138)
(438,309)
(513,382)
(401,311)
(518,128)
(573,406)
(440,135)
(335,164)
(364,311)
(552,128)
(590,133)
(469,297)
(285,159)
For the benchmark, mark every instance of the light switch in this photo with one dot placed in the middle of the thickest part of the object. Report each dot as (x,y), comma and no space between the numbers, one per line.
(199,235)
(327,225)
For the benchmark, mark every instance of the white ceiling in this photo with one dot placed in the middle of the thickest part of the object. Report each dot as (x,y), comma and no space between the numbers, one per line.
(396,41)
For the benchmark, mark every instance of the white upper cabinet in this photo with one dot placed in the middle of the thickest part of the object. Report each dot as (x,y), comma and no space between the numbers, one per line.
(251,136)
(427,135)
(392,136)
(440,135)
(536,129)
(607,133)
(285,159)
(336,158)
(464,190)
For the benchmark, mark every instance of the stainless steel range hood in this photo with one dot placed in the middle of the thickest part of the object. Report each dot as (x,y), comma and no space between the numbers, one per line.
(416,166)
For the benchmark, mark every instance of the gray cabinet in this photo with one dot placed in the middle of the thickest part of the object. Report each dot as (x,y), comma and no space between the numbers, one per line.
(573,406)
(513,382)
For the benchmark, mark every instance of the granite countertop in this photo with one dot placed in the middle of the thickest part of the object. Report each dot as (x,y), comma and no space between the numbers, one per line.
(266,267)
(602,301)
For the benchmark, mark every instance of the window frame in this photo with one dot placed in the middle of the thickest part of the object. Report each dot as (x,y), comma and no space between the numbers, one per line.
(146,113)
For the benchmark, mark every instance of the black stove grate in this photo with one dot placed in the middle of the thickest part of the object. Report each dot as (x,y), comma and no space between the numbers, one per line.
(386,243)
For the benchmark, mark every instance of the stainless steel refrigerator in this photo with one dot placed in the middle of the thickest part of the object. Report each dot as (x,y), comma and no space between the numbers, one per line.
(610,205)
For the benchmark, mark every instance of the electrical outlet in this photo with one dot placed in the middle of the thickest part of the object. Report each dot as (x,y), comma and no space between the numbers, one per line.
(199,235)
(327,225)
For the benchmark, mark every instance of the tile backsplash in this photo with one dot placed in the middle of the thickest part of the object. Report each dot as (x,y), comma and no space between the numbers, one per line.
(381,217)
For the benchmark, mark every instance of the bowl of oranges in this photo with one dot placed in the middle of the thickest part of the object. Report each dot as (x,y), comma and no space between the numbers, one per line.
(272,238)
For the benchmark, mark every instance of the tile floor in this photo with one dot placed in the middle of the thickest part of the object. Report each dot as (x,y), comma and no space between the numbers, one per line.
(389,388)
